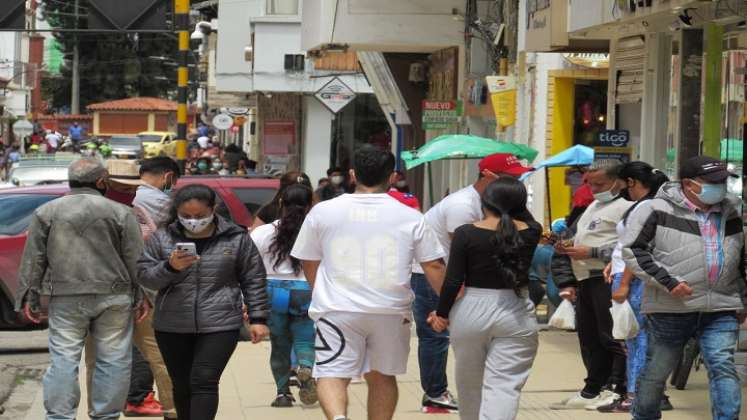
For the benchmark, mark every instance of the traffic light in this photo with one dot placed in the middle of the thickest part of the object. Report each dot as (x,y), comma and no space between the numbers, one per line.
(12,15)
(130,15)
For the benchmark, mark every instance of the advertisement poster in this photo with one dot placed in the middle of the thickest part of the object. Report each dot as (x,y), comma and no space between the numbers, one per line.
(278,137)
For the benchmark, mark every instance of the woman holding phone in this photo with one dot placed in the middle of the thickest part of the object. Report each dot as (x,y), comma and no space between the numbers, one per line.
(205,269)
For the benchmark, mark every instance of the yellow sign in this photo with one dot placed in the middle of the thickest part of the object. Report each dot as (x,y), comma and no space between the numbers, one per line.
(503,97)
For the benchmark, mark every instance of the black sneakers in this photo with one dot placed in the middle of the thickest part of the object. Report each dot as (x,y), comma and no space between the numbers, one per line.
(283,401)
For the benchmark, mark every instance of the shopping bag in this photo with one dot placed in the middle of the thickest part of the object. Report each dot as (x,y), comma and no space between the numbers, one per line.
(624,324)
(564,317)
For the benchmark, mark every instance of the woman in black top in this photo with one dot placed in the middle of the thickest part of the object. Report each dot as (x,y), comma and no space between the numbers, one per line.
(493,328)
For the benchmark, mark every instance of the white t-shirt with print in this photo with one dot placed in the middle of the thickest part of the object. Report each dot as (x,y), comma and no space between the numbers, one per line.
(263,237)
(366,244)
(457,209)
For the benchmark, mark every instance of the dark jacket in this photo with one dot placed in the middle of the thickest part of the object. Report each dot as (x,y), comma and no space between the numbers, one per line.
(79,244)
(206,297)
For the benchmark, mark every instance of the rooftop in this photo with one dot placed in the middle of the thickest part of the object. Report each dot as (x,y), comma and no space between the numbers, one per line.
(135,104)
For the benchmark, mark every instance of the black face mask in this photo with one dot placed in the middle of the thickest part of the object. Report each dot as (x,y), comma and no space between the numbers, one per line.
(624,193)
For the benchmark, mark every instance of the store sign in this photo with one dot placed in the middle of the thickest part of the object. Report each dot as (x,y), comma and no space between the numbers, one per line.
(503,97)
(335,95)
(278,137)
(588,60)
(438,115)
(613,145)
(222,121)
(23,128)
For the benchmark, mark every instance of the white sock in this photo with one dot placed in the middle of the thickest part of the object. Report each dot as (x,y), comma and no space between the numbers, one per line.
(340,418)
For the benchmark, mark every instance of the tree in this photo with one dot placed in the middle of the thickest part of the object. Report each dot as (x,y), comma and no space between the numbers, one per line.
(112,65)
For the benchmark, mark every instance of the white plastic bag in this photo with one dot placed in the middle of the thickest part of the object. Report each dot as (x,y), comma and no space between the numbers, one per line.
(624,324)
(564,317)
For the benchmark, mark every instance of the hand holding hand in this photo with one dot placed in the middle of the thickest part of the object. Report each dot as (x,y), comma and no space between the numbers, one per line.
(682,290)
(142,311)
(437,323)
(179,260)
(258,332)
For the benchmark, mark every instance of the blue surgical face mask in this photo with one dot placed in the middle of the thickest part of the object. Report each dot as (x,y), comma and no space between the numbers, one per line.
(711,193)
(607,196)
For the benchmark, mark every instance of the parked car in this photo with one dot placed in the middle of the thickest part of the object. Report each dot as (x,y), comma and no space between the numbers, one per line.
(158,143)
(126,147)
(38,173)
(239,198)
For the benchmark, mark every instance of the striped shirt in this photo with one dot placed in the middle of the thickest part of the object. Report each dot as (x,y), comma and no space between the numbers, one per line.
(710,225)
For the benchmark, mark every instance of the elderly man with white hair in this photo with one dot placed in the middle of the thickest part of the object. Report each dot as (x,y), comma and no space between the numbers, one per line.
(82,250)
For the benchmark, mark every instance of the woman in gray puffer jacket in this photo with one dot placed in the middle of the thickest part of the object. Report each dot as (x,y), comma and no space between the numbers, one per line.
(198,310)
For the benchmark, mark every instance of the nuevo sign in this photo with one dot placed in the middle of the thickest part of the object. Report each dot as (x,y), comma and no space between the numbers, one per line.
(438,115)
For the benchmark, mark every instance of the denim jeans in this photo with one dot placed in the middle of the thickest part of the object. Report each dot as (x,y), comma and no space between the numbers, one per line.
(109,320)
(717,334)
(433,347)
(291,329)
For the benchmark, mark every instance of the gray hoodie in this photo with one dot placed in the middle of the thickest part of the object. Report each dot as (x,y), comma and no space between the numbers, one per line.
(663,246)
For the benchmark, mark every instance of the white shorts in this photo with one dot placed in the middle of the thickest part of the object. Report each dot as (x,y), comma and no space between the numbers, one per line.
(349,345)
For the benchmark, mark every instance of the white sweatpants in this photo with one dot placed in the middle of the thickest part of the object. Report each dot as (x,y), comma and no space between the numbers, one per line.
(495,339)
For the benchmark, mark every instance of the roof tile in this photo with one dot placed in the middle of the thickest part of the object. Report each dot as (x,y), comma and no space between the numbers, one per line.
(135,104)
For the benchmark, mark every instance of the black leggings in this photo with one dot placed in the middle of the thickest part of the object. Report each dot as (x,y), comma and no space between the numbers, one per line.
(195,363)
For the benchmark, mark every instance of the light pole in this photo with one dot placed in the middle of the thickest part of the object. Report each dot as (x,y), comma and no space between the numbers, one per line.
(181,11)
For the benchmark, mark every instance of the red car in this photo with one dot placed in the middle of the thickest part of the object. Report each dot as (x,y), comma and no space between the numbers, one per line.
(239,198)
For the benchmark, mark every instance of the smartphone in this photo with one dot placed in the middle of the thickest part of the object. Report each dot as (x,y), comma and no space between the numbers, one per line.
(188,248)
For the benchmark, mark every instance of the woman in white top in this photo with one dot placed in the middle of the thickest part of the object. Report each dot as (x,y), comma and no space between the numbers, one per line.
(291,329)
(642,183)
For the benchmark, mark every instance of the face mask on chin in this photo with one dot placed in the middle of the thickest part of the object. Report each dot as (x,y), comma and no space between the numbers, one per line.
(606,196)
(400,184)
(168,185)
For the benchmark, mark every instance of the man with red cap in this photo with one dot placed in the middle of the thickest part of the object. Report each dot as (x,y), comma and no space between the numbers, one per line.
(456,209)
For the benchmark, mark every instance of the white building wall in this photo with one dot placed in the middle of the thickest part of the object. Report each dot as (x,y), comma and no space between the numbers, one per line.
(233,73)
(318,139)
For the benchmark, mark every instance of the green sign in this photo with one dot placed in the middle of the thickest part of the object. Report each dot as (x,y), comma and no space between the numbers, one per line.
(439,115)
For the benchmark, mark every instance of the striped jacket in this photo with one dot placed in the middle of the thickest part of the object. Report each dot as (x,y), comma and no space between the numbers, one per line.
(662,245)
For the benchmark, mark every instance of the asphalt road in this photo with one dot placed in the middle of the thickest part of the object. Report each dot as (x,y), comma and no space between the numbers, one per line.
(23,359)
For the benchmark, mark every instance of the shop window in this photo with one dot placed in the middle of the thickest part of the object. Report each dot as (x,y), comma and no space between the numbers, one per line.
(590,111)
(361,122)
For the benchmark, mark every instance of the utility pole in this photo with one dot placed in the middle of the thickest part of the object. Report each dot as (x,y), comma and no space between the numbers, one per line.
(75,94)
(181,20)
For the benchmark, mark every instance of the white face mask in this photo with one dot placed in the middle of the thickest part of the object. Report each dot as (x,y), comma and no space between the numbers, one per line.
(401,184)
(336,180)
(196,225)
(606,196)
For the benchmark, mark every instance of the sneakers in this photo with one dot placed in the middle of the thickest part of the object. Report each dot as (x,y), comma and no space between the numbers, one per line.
(148,408)
(445,404)
(578,402)
(307,384)
(604,399)
(621,405)
(293,380)
(283,401)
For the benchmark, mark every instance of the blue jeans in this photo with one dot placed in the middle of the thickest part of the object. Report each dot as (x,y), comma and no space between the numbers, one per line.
(433,347)
(636,346)
(109,320)
(291,329)
(717,333)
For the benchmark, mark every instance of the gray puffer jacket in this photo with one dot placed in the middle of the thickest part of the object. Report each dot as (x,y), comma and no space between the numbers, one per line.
(663,246)
(206,297)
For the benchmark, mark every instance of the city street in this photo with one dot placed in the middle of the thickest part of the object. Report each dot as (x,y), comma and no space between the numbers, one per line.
(247,389)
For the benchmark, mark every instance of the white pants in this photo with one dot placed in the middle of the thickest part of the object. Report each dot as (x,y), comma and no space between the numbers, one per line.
(495,339)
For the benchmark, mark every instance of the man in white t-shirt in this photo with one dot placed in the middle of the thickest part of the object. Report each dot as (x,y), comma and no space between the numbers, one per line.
(457,209)
(357,252)
(53,141)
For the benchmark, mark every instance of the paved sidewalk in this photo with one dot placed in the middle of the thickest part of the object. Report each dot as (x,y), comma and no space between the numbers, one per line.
(247,389)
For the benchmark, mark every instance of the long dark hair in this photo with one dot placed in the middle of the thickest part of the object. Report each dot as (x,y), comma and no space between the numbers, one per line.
(199,192)
(647,175)
(507,198)
(288,179)
(295,203)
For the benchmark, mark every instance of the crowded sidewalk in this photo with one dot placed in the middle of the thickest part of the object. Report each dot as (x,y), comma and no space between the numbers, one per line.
(247,389)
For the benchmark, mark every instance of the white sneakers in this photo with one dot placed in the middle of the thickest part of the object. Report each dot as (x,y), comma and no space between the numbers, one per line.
(577,402)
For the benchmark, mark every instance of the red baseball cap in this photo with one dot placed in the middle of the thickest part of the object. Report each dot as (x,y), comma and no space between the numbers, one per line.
(503,163)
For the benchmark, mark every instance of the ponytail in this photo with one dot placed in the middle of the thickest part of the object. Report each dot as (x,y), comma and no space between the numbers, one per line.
(295,203)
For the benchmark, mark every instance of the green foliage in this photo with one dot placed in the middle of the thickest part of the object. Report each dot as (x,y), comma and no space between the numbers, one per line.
(112,65)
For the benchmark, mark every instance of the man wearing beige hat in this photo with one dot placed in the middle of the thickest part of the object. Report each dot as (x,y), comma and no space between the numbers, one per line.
(147,363)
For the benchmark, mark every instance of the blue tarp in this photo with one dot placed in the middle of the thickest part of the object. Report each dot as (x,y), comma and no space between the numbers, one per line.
(578,155)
